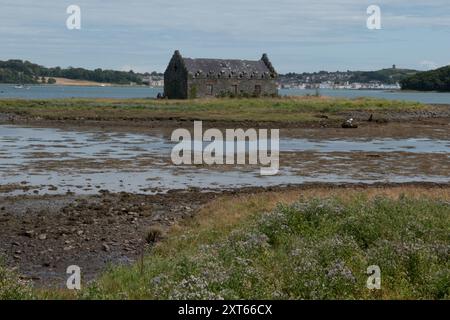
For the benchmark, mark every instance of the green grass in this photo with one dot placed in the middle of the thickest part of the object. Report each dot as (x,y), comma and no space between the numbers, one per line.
(283,109)
(311,249)
(11,287)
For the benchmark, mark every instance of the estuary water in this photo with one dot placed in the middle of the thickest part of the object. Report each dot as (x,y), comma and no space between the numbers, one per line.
(55,161)
(124,92)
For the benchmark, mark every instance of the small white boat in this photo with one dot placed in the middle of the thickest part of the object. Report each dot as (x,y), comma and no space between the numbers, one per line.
(19,86)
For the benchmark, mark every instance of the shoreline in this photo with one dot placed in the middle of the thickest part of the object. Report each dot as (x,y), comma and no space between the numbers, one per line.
(43,234)
(290,112)
(89,84)
(110,228)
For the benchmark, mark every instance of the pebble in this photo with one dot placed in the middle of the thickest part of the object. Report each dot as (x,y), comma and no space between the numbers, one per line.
(29,233)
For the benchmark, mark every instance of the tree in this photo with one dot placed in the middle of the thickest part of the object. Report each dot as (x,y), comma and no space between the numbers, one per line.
(434,80)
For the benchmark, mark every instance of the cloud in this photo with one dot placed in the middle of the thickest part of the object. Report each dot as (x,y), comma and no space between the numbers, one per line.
(142,33)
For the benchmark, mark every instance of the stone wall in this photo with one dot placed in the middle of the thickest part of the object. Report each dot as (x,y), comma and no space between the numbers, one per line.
(175,78)
(200,88)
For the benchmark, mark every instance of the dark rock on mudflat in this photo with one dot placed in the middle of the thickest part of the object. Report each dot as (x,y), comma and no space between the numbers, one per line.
(349,124)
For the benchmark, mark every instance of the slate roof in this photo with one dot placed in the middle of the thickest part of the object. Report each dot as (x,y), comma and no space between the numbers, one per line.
(226,68)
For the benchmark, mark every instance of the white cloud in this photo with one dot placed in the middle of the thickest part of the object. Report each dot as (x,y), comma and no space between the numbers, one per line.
(116,33)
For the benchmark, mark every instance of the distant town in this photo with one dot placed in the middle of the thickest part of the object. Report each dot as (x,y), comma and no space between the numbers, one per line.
(385,79)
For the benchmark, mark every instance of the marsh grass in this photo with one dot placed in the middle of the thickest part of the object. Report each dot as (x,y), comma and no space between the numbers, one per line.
(12,287)
(304,247)
(284,109)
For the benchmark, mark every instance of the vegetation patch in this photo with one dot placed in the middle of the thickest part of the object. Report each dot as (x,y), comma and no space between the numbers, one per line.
(282,109)
(12,287)
(434,80)
(311,248)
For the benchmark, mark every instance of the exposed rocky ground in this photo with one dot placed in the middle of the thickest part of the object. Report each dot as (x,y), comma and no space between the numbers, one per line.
(43,235)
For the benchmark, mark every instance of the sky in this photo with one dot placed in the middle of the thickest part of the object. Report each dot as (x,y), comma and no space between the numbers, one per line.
(298,35)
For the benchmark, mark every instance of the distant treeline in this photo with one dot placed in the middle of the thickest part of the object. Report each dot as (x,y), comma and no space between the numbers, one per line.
(435,80)
(18,71)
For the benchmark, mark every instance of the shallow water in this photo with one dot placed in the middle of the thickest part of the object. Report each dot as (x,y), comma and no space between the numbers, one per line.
(58,92)
(51,160)
(8,91)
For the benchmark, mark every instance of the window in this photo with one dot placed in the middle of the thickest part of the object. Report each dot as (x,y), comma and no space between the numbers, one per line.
(257,90)
(209,89)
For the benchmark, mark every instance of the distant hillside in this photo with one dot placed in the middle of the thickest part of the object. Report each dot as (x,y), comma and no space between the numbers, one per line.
(435,80)
(387,76)
(18,71)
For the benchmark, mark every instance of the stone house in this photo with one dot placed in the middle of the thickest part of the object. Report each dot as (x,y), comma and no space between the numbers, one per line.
(187,78)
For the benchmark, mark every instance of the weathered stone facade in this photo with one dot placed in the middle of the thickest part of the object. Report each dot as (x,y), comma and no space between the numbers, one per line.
(187,78)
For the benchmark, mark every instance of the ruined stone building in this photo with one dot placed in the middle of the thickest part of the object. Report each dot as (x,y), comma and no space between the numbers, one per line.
(187,78)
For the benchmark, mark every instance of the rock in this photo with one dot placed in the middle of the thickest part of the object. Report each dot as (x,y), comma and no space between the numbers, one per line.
(28,233)
(42,236)
(105,247)
(349,124)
